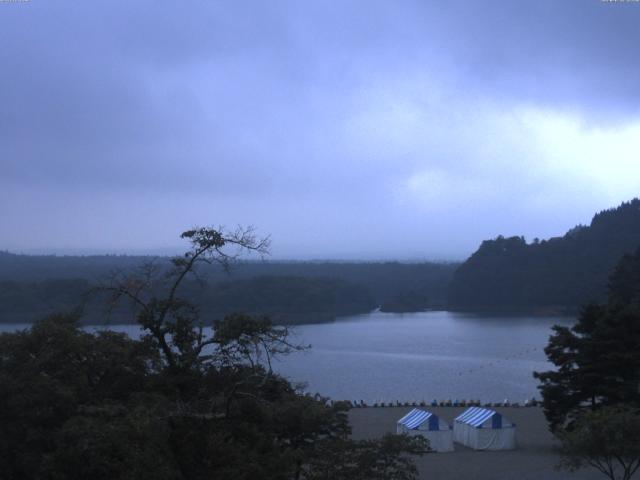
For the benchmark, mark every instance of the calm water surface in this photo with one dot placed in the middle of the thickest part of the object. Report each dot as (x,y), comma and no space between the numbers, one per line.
(416,356)
(427,355)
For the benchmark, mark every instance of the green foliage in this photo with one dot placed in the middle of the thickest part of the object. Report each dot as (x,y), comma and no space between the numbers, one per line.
(408,301)
(607,439)
(36,298)
(111,441)
(241,338)
(592,399)
(77,405)
(561,273)
(51,372)
(287,297)
(598,359)
(381,459)
(176,404)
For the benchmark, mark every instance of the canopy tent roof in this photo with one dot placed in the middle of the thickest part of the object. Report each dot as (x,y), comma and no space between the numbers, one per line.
(417,417)
(428,425)
(476,416)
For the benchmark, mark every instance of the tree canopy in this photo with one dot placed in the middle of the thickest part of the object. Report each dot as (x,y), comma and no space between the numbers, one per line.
(592,398)
(178,403)
(598,359)
(561,273)
(607,440)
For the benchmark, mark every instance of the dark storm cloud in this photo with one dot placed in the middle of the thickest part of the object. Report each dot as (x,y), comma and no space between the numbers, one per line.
(572,52)
(389,120)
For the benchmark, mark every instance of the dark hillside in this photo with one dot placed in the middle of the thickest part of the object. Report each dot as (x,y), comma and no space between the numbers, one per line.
(560,273)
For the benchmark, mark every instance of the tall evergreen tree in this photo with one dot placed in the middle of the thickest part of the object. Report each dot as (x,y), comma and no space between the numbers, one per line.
(598,359)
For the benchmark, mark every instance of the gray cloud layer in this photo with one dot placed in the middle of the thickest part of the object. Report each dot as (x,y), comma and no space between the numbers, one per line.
(346,129)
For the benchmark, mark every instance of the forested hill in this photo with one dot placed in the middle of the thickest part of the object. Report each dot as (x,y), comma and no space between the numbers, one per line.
(561,273)
(291,292)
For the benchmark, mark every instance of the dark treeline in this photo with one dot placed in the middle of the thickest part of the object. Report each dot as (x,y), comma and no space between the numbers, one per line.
(33,268)
(285,299)
(561,273)
(555,275)
(288,299)
(178,403)
(28,301)
(291,292)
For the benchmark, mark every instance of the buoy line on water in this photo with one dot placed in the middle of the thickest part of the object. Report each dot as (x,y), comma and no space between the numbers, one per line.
(529,402)
(456,403)
(497,361)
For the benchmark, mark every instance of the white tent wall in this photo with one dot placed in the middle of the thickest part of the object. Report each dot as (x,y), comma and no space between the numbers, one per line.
(485,436)
(439,440)
(495,439)
(462,433)
(438,432)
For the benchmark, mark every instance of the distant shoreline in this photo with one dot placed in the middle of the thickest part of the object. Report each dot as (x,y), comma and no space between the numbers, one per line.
(539,311)
(300,319)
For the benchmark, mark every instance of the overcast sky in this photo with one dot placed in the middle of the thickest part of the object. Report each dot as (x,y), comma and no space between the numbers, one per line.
(345,129)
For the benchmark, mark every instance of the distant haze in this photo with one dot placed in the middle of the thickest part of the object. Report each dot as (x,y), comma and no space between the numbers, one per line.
(345,129)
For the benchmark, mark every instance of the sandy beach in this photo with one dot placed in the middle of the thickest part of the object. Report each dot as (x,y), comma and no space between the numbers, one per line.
(534,459)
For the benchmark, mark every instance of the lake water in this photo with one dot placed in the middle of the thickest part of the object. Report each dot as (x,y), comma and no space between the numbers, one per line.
(417,356)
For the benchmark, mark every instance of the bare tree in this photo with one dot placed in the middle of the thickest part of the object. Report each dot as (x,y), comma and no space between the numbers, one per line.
(170,321)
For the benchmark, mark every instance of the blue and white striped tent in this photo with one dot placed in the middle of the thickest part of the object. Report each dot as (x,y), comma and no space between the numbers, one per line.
(430,426)
(484,429)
